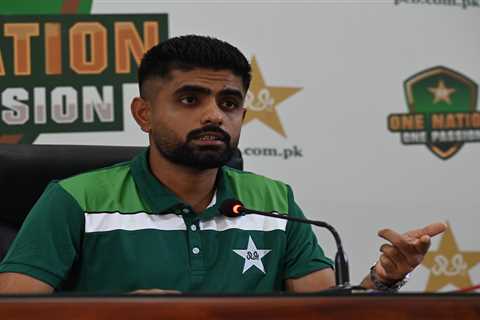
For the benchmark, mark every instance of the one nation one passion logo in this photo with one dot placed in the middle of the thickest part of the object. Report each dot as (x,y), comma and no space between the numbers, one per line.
(442,112)
(64,73)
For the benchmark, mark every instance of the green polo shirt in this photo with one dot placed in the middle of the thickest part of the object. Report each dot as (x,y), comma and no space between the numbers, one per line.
(118,229)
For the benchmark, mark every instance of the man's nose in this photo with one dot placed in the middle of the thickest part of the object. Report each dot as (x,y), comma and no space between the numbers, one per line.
(212,114)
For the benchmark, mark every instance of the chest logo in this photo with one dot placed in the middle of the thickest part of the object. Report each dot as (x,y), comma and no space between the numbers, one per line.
(252,256)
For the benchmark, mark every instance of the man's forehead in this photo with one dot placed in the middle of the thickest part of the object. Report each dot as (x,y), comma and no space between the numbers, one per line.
(213,79)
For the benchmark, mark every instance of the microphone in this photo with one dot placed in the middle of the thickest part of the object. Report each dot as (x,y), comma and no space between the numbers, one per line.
(234,208)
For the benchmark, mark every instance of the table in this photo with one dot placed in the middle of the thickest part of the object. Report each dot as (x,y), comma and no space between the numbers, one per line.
(287,306)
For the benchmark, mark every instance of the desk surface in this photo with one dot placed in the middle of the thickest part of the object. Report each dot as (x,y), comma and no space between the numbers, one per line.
(361,306)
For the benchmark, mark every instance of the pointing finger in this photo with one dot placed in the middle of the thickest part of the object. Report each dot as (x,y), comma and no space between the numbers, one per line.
(434,229)
(430,230)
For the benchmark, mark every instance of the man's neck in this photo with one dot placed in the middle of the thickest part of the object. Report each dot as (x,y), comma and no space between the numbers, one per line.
(193,186)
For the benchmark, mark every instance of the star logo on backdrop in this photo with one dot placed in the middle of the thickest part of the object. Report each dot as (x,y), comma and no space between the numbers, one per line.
(252,256)
(262,100)
(441,93)
(449,265)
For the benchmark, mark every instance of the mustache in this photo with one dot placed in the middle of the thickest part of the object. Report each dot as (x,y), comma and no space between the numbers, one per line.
(194,134)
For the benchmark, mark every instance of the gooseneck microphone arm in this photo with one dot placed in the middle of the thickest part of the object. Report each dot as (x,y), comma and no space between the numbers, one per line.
(234,208)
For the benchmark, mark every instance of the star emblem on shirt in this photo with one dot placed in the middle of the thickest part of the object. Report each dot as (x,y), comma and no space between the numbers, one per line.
(252,256)
(441,93)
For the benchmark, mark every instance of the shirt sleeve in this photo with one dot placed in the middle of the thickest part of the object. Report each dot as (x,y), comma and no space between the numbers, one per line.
(304,255)
(49,240)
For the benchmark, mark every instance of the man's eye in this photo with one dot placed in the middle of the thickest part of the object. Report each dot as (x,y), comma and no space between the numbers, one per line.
(188,100)
(230,104)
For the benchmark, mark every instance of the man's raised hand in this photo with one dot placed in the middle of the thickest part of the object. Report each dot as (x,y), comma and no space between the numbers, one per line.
(405,251)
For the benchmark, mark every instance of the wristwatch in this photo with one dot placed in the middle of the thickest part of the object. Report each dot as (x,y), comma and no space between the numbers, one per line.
(381,286)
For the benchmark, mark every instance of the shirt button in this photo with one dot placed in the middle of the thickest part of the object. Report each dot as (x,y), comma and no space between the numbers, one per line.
(193,227)
(186,210)
(195,250)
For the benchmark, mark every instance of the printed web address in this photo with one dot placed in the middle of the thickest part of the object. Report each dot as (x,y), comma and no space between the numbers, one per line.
(452,3)
(286,153)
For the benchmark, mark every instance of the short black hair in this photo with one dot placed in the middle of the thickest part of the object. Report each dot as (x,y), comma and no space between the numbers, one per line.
(189,52)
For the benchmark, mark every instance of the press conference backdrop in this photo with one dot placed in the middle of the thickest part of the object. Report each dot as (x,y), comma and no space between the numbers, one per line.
(368,109)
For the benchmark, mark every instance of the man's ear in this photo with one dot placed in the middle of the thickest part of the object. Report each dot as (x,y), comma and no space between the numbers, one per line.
(142,113)
(244,114)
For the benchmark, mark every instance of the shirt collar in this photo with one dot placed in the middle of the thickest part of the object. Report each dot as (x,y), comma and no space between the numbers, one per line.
(223,192)
(161,200)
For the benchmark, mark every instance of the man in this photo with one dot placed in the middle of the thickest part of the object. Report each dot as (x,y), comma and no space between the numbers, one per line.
(152,224)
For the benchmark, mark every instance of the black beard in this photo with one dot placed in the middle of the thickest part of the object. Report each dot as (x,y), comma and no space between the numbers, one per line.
(199,157)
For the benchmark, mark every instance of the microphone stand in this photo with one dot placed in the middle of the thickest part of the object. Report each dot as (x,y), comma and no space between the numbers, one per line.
(342,275)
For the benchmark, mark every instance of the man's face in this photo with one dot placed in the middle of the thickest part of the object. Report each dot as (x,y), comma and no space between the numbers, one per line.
(196,116)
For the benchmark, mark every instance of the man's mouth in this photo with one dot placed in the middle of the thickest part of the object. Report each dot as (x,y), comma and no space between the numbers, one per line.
(210,138)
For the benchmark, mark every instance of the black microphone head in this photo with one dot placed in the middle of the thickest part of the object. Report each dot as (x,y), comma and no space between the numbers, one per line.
(231,208)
